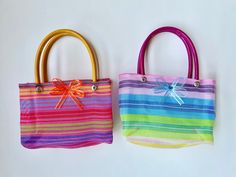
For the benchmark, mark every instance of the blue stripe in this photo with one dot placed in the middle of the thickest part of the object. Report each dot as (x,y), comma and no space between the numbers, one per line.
(174,114)
(160,100)
(167,104)
(190,89)
(157,107)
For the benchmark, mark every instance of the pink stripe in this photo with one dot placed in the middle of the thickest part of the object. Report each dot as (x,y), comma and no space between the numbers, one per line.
(87,102)
(72,106)
(72,125)
(65,117)
(63,120)
(41,95)
(71,116)
(150,91)
(31,97)
(134,76)
(63,111)
(68,120)
(91,128)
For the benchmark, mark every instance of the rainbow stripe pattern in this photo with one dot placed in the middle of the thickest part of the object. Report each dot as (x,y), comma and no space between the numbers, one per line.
(151,118)
(43,126)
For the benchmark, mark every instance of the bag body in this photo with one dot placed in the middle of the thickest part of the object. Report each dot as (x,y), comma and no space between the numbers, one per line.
(164,111)
(65,114)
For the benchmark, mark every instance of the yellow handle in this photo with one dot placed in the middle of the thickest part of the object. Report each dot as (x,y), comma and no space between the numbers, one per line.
(49,40)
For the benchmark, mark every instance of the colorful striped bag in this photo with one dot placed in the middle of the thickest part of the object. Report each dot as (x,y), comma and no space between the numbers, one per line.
(65,114)
(163,111)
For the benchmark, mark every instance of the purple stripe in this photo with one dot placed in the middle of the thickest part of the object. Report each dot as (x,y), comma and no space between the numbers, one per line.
(78,138)
(66,136)
(193,89)
(154,84)
(68,102)
(103,139)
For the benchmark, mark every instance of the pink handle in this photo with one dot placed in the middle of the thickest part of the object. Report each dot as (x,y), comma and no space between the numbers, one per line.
(192,54)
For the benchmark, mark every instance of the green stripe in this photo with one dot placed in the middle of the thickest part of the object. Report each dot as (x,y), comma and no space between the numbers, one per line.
(156,124)
(170,135)
(167,120)
(166,129)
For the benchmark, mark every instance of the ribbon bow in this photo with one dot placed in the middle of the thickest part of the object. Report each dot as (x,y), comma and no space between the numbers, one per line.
(174,89)
(73,90)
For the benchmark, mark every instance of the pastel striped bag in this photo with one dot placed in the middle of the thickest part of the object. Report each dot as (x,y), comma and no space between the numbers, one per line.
(65,114)
(163,111)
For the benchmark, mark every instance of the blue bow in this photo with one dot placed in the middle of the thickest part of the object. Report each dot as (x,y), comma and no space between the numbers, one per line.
(173,90)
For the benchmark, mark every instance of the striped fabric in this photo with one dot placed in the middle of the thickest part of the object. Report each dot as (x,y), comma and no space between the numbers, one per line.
(43,126)
(157,120)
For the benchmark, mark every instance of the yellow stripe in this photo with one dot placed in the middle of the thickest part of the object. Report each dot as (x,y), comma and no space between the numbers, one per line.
(171,135)
(162,145)
(33,92)
(68,124)
(59,132)
(36,128)
(48,88)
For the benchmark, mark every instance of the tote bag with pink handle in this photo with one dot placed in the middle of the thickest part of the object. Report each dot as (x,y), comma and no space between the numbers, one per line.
(164,111)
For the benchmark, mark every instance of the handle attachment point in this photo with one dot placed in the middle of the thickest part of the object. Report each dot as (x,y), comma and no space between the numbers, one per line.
(143,79)
(196,83)
(39,88)
(94,88)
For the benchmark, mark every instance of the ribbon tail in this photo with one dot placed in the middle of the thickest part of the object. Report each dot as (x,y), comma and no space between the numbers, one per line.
(77,101)
(177,98)
(61,101)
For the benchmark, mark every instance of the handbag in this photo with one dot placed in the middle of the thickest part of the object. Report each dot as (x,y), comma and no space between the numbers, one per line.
(65,113)
(164,111)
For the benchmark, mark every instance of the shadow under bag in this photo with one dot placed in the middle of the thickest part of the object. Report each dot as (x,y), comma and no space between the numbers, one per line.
(65,114)
(163,111)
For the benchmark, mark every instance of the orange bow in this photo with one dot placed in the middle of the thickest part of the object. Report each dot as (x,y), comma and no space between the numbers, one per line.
(73,90)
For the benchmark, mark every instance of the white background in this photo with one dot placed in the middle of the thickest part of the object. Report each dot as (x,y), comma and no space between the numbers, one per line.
(117,29)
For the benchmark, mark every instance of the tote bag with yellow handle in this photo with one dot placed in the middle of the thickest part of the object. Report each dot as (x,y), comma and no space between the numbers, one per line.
(65,113)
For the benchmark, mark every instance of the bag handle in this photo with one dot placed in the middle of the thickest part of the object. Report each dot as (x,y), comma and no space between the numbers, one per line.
(49,40)
(188,47)
(46,53)
(192,54)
